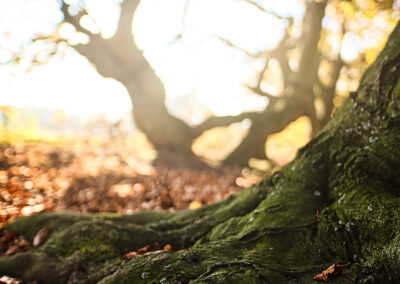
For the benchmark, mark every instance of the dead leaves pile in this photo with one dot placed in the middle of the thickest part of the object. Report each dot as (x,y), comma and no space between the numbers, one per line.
(79,177)
(11,243)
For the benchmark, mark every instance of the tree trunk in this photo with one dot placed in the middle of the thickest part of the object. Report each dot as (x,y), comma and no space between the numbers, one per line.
(119,58)
(298,95)
(337,202)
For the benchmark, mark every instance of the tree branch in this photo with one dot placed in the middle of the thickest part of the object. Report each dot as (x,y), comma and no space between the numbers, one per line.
(73,20)
(128,8)
(216,121)
(262,9)
(258,91)
(231,44)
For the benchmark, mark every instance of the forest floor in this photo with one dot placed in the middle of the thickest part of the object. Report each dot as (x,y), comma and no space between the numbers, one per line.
(83,177)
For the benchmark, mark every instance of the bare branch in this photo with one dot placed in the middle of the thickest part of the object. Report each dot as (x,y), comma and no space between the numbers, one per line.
(260,92)
(231,44)
(261,75)
(262,9)
(73,20)
(216,121)
(279,53)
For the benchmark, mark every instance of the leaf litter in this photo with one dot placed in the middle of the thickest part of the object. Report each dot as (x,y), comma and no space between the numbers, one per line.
(36,177)
(39,177)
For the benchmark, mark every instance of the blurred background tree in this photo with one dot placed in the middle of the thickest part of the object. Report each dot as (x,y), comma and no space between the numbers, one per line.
(304,57)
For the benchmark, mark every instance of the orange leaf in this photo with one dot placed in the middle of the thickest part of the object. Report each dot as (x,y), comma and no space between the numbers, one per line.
(331,272)
(8,236)
(23,243)
(41,236)
(151,247)
(12,250)
(167,247)
(130,254)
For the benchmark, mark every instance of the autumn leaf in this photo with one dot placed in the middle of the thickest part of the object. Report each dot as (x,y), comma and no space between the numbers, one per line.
(12,250)
(195,205)
(22,243)
(8,236)
(331,272)
(167,247)
(130,254)
(41,236)
(151,247)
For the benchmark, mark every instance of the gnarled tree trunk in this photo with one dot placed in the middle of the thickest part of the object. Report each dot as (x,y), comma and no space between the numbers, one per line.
(337,202)
(118,57)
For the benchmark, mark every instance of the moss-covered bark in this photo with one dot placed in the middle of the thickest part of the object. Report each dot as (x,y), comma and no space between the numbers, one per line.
(270,233)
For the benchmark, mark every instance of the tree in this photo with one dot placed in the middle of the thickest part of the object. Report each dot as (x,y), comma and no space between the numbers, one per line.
(118,57)
(337,202)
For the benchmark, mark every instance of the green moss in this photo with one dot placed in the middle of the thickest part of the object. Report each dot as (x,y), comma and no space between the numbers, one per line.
(90,250)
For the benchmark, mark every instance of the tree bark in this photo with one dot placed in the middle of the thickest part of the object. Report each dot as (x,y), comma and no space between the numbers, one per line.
(119,58)
(298,97)
(337,202)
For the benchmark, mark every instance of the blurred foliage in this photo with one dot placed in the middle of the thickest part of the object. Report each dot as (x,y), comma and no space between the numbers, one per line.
(97,175)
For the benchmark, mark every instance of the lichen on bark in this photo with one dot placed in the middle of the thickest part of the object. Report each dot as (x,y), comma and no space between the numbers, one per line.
(337,202)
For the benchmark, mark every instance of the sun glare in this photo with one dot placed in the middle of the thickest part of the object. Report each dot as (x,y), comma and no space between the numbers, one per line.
(202,75)
(200,65)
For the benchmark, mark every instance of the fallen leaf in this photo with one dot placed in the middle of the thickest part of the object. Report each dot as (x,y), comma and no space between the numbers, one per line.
(23,243)
(331,272)
(9,280)
(151,247)
(130,254)
(8,236)
(195,205)
(41,236)
(167,247)
(12,250)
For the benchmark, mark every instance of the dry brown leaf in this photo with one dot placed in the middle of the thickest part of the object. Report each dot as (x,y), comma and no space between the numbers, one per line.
(151,247)
(331,272)
(41,236)
(130,254)
(12,250)
(23,243)
(8,236)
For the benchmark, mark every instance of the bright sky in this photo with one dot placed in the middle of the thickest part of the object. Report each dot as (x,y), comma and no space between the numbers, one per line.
(197,67)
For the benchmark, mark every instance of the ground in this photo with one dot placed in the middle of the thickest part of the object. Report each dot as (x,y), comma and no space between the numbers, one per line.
(37,177)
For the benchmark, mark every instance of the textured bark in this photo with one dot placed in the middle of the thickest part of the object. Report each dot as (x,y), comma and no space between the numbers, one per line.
(270,233)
